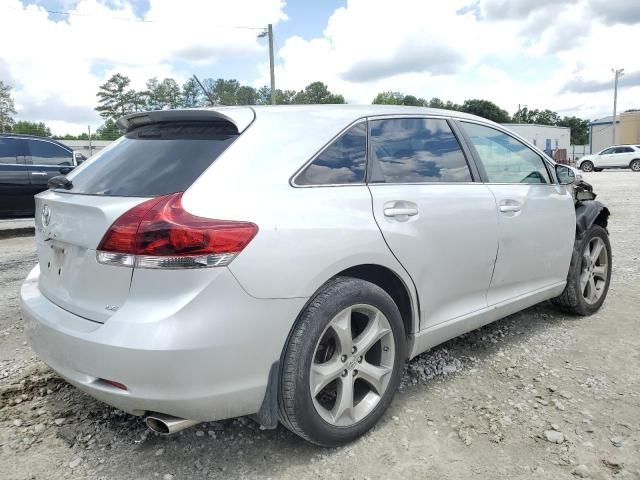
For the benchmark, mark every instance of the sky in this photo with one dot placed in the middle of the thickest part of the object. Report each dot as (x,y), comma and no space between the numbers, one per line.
(555,54)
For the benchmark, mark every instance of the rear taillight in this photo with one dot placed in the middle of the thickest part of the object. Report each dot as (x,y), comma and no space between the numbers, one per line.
(159,233)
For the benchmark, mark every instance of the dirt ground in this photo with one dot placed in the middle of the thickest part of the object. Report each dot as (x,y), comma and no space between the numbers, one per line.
(490,404)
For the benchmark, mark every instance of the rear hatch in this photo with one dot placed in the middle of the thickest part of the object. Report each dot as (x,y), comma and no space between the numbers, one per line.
(150,160)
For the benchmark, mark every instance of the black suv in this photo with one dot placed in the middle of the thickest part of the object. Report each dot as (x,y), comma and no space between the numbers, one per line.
(26,165)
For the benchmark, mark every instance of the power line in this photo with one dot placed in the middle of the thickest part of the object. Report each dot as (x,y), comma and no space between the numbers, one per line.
(122,19)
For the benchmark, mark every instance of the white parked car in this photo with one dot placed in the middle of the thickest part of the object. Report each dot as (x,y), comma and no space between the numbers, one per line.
(617,156)
(285,262)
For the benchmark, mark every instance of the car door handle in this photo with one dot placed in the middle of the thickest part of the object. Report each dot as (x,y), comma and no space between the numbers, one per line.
(509,208)
(397,212)
(39,173)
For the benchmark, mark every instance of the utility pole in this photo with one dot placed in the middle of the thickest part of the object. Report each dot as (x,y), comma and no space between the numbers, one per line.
(618,72)
(273,75)
(269,32)
(90,145)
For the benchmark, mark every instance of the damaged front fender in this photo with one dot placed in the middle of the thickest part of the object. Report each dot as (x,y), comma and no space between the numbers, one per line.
(589,212)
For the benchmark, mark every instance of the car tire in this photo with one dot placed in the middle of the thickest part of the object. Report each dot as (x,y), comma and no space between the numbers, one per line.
(589,274)
(586,166)
(635,165)
(344,311)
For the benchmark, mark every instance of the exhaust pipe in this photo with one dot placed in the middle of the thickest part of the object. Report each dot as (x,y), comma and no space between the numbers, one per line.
(168,424)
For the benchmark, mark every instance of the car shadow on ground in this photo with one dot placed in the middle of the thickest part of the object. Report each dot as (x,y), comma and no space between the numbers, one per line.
(230,446)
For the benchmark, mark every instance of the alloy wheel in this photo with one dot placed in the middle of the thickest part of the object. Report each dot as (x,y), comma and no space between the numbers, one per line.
(593,274)
(352,365)
(587,167)
(635,165)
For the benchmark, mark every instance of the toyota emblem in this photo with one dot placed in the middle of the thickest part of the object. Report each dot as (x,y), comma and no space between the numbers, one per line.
(45,215)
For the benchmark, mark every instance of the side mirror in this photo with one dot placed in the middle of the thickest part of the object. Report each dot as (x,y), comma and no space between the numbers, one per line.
(79,158)
(566,175)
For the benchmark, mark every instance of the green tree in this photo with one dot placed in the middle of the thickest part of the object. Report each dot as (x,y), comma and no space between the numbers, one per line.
(540,117)
(435,102)
(223,92)
(152,94)
(389,98)
(413,101)
(317,93)
(115,98)
(486,109)
(31,128)
(7,107)
(547,117)
(108,130)
(264,95)
(246,95)
(579,129)
(165,94)
(192,94)
(170,93)
(283,97)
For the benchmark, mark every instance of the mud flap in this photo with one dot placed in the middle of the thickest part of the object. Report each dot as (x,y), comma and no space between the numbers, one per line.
(267,416)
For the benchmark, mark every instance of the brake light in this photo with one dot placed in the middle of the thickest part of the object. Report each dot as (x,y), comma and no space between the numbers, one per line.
(159,233)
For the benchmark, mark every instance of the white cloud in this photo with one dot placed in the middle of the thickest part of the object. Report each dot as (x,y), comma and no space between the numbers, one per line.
(543,53)
(54,65)
(511,52)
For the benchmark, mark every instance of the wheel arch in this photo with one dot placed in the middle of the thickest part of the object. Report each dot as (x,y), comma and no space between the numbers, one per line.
(385,278)
(590,212)
(397,289)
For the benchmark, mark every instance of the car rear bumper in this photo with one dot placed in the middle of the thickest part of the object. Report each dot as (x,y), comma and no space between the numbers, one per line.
(207,358)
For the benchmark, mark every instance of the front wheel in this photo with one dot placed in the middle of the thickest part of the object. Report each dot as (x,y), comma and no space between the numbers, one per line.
(342,364)
(589,274)
(635,165)
(586,166)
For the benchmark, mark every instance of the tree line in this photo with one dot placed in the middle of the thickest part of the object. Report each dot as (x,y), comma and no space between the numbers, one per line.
(116,98)
(485,108)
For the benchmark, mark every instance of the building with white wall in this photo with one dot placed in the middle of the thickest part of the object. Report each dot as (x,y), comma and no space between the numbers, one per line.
(627,131)
(85,147)
(601,133)
(546,137)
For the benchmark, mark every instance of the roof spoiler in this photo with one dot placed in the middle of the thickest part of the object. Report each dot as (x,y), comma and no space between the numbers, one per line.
(241,117)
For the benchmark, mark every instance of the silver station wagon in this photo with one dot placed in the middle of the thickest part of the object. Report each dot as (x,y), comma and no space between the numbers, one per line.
(285,262)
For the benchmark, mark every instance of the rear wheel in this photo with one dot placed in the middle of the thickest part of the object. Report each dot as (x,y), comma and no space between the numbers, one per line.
(586,166)
(635,165)
(342,364)
(589,274)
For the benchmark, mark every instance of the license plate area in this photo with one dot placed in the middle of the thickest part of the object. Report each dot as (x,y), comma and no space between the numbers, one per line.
(55,258)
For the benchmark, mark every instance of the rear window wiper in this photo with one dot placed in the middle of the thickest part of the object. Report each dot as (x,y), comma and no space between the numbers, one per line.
(60,181)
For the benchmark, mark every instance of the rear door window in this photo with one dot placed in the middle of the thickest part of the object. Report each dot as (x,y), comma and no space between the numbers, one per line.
(48,153)
(505,159)
(416,150)
(624,150)
(8,151)
(154,160)
(342,162)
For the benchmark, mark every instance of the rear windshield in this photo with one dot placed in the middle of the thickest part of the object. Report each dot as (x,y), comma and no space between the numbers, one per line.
(154,160)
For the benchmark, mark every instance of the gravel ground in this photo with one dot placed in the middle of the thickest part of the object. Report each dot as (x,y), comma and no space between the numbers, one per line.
(538,394)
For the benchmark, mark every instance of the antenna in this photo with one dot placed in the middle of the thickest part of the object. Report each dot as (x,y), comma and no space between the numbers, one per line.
(205,91)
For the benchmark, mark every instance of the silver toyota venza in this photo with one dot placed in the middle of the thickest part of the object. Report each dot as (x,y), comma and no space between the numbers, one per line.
(284,262)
